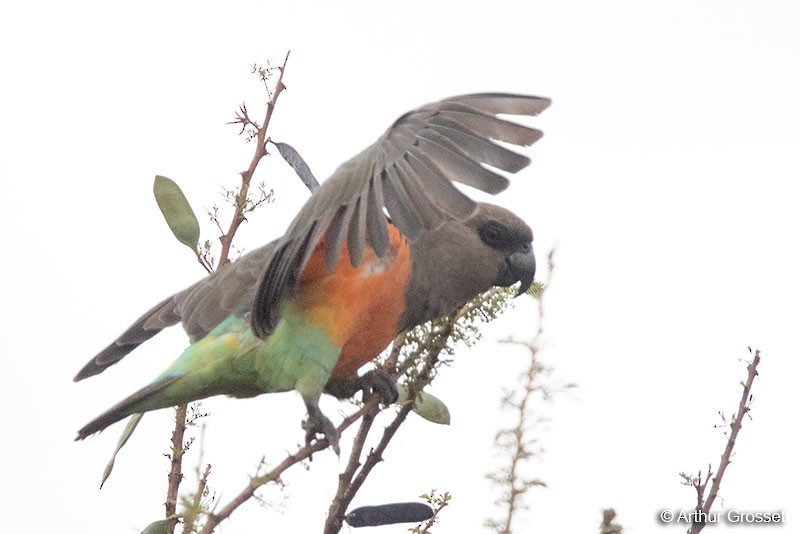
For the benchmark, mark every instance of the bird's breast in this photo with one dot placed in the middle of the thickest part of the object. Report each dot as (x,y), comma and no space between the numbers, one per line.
(360,307)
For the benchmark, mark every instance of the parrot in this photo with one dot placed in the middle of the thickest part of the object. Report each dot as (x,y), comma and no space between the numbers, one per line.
(383,245)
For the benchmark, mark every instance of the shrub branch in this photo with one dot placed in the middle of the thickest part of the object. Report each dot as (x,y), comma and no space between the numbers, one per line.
(699,483)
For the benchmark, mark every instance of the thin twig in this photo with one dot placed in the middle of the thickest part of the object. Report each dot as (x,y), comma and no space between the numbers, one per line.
(301,454)
(439,504)
(351,480)
(338,502)
(704,505)
(516,441)
(204,262)
(226,240)
(175,475)
(202,484)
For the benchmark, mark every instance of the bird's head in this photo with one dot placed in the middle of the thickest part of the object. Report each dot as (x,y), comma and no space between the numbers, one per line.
(462,259)
(507,246)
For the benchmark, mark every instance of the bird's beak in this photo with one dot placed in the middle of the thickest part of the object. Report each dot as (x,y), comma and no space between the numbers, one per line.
(522,265)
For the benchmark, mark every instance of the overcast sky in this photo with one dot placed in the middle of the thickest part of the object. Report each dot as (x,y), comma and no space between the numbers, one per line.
(667,178)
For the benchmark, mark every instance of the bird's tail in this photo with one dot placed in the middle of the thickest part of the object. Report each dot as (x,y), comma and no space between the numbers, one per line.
(141,401)
(148,325)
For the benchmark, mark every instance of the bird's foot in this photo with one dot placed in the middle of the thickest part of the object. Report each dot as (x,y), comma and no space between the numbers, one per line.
(375,381)
(318,423)
(380,382)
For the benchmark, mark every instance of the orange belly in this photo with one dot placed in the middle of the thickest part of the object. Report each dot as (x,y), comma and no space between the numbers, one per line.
(359,307)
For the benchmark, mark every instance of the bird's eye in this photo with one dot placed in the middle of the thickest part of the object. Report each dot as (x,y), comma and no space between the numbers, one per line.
(493,233)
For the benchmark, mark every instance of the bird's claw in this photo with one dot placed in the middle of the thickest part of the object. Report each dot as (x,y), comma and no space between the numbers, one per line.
(374,381)
(317,423)
(380,382)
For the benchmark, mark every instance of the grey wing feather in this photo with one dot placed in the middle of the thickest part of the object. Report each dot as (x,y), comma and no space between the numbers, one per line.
(408,171)
(151,323)
(200,308)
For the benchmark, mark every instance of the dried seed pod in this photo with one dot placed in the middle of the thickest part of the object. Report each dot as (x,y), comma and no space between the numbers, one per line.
(389,514)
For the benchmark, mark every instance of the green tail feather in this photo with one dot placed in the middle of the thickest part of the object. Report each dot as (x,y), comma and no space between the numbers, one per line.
(127,407)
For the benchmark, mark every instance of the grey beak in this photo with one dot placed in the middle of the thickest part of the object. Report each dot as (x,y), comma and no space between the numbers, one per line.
(523,267)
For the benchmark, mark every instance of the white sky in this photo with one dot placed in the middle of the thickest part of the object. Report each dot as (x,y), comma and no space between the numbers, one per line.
(667,177)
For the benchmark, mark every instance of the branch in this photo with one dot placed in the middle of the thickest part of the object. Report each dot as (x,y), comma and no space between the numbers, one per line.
(351,480)
(516,441)
(226,239)
(439,503)
(175,475)
(190,519)
(704,505)
(256,482)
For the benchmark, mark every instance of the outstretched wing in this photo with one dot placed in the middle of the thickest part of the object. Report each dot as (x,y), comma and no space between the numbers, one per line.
(409,171)
(200,307)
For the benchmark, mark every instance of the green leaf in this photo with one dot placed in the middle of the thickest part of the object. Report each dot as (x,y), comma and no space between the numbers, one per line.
(536,289)
(177,211)
(123,439)
(427,406)
(156,527)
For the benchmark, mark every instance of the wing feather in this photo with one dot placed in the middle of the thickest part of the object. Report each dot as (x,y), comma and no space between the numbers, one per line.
(487,152)
(375,220)
(355,234)
(400,206)
(200,307)
(337,233)
(409,172)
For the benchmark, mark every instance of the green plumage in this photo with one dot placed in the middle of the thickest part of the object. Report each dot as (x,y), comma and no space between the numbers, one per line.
(231,360)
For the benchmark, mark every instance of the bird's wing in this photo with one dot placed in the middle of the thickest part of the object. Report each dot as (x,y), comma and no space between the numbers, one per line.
(229,290)
(408,171)
(200,307)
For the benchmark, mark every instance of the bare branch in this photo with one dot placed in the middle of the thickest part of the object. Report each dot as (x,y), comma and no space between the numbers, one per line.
(260,151)
(175,475)
(257,482)
(439,503)
(516,441)
(190,519)
(351,480)
(704,504)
